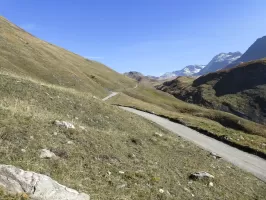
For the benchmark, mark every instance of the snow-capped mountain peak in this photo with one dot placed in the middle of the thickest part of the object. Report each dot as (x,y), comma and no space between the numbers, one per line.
(220,61)
(189,70)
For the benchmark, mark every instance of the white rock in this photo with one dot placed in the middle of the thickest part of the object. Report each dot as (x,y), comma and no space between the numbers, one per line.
(201,175)
(214,155)
(37,186)
(65,124)
(31,137)
(70,142)
(121,172)
(55,133)
(45,153)
(82,127)
(211,184)
(161,191)
(23,150)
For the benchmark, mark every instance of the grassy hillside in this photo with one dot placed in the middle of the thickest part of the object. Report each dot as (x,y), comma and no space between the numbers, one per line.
(240,90)
(148,81)
(227,127)
(26,55)
(113,155)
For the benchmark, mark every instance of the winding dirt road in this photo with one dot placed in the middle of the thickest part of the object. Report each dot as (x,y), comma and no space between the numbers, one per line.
(248,162)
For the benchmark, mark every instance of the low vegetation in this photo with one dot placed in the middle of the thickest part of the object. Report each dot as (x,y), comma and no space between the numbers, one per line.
(229,127)
(5,196)
(113,154)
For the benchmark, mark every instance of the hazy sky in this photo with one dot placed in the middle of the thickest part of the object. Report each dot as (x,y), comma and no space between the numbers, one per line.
(150,36)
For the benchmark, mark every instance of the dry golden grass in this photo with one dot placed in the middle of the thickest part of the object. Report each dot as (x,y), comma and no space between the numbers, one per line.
(26,55)
(113,140)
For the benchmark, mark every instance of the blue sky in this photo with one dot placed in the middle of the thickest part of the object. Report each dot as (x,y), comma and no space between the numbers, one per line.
(150,36)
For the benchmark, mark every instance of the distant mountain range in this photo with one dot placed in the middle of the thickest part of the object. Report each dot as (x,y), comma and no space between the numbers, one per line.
(223,60)
(240,90)
(220,61)
(189,70)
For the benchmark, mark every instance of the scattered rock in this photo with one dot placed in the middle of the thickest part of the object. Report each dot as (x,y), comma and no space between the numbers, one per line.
(94,97)
(65,124)
(45,153)
(200,176)
(121,186)
(131,155)
(60,153)
(121,172)
(210,184)
(161,191)
(70,142)
(36,186)
(215,156)
(82,128)
(109,173)
(226,137)
(55,133)
(23,150)
(264,144)
(241,137)
(31,137)
(158,134)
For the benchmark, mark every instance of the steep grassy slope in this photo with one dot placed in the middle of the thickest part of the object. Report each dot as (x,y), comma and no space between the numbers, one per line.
(240,90)
(115,155)
(24,54)
(227,127)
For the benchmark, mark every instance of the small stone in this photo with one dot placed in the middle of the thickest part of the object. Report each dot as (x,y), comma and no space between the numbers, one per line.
(121,172)
(161,191)
(65,124)
(23,150)
(94,97)
(76,118)
(82,128)
(215,156)
(201,175)
(131,155)
(210,184)
(121,186)
(158,134)
(109,173)
(45,153)
(31,137)
(70,142)
(55,133)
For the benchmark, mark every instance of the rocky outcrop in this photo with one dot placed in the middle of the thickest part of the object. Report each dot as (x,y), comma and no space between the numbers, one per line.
(36,186)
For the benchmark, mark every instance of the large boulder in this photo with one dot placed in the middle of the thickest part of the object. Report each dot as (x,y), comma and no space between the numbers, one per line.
(36,186)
